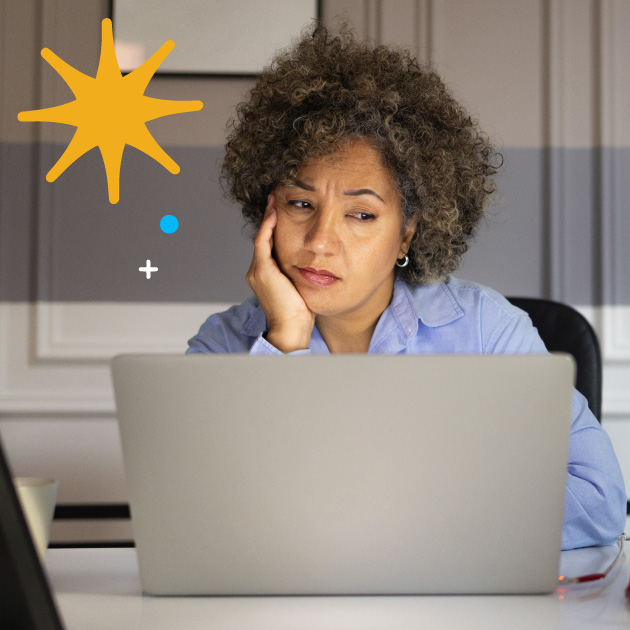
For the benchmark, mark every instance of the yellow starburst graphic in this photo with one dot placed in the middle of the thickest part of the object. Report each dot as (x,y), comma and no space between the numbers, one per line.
(110,111)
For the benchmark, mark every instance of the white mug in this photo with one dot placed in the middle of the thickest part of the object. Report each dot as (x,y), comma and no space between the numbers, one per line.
(37,497)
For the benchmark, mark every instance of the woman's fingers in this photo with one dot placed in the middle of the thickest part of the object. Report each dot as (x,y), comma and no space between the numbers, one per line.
(264,239)
(289,320)
(263,243)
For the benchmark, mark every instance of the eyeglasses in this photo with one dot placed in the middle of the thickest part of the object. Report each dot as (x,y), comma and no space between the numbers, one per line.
(592,577)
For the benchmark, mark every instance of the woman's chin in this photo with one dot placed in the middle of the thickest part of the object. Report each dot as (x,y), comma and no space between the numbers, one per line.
(319,304)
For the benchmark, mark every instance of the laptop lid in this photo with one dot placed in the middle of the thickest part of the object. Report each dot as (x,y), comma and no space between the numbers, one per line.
(26,601)
(345,474)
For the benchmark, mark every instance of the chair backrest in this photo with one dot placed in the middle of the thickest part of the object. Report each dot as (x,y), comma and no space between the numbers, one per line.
(563,329)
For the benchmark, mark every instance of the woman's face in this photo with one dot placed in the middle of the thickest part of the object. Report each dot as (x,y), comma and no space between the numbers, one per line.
(338,233)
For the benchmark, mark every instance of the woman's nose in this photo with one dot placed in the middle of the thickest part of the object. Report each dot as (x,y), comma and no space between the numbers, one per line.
(322,236)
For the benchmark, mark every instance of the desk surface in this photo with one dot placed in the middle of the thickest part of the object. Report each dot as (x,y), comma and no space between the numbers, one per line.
(100,589)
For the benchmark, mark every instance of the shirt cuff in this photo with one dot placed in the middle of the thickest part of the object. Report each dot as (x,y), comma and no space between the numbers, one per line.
(263,347)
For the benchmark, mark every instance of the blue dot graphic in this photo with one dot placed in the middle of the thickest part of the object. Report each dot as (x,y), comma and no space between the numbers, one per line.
(169,224)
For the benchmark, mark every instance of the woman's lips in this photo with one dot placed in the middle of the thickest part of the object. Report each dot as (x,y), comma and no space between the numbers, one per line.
(320,277)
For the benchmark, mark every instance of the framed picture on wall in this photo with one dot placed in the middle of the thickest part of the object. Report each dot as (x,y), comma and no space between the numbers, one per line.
(212,37)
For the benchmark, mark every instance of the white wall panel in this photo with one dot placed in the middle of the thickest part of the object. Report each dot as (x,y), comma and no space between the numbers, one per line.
(491,53)
(54,358)
(619,431)
(399,24)
(361,15)
(97,331)
(615,80)
(27,386)
(572,32)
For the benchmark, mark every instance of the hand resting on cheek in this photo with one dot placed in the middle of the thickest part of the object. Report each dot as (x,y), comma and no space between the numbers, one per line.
(289,320)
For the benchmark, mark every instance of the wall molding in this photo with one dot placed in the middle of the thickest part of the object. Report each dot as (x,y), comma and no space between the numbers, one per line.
(94,332)
(614,53)
(616,399)
(556,61)
(571,114)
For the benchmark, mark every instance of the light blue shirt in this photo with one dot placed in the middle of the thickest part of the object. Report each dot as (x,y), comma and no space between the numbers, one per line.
(460,317)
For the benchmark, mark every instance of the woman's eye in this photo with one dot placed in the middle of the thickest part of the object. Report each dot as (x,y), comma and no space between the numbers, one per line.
(296,203)
(363,216)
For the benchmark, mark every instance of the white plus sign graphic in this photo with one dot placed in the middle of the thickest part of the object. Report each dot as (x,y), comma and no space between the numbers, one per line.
(148,269)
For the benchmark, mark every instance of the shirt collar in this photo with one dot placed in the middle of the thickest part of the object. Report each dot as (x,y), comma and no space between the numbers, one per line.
(398,323)
(435,304)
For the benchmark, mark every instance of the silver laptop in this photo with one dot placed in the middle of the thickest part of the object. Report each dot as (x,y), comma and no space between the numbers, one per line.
(345,474)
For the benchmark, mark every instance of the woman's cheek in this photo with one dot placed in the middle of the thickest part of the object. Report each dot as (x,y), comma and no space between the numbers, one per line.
(281,242)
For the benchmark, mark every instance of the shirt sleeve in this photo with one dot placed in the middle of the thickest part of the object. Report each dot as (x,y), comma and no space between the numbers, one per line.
(595,499)
(236,330)
(263,347)
(213,337)
(201,345)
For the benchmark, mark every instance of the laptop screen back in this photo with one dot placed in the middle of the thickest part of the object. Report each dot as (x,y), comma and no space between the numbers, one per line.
(345,474)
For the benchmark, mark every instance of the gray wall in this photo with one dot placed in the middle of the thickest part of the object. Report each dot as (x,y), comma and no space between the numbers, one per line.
(545,234)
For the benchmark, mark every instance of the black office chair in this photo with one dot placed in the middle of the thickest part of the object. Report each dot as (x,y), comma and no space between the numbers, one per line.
(563,329)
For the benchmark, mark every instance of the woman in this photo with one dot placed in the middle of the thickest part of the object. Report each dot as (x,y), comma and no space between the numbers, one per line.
(365,180)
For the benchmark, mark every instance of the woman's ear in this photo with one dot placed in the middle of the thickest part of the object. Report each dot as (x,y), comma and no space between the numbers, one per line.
(409,231)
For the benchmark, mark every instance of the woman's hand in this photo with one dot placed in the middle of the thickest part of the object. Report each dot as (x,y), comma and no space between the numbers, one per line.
(289,320)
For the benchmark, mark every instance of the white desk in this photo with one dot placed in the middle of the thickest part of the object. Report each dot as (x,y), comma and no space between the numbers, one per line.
(99,589)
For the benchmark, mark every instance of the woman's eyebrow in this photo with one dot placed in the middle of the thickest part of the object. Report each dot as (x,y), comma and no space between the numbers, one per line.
(354,193)
(362,191)
(300,184)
